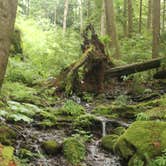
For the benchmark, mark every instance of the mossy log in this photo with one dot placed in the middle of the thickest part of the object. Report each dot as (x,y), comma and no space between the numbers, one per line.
(133,68)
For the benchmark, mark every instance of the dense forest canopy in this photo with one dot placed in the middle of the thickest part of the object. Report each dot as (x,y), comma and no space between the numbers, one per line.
(82,82)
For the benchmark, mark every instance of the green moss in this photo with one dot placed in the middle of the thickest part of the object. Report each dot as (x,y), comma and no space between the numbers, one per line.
(71,108)
(74,150)
(6,155)
(51,147)
(109,141)
(142,137)
(7,135)
(122,111)
(86,121)
(119,130)
(47,123)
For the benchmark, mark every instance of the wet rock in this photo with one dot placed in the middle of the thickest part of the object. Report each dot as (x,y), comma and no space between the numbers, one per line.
(142,137)
(88,122)
(51,147)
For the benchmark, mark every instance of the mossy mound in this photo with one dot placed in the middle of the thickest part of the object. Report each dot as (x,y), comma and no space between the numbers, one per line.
(7,135)
(71,108)
(142,138)
(108,142)
(51,147)
(74,150)
(87,122)
(117,111)
(7,156)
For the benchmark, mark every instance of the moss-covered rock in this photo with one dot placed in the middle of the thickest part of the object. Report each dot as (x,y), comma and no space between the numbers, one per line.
(87,122)
(108,142)
(142,138)
(119,130)
(7,156)
(7,135)
(71,108)
(115,111)
(74,150)
(51,147)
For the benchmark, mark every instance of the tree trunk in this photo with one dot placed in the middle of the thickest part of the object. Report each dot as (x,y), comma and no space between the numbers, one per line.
(65,15)
(164,9)
(149,18)
(140,17)
(7,19)
(156,28)
(130,18)
(111,26)
(102,26)
(133,68)
(125,18)
(81,16)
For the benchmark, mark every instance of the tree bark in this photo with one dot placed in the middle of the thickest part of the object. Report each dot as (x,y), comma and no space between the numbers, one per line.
(130,18)
(65,15)
(156,28)
(102,24)
(7,19)
(81,16)
(125,18)
(133,68)
(111,27)
(164,9)
(140,17)
(149,18)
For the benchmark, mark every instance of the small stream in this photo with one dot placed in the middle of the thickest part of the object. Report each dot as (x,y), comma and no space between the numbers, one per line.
(98,157)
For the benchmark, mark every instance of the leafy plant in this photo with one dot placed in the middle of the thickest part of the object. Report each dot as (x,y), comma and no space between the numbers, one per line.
(72,108)
(142,116)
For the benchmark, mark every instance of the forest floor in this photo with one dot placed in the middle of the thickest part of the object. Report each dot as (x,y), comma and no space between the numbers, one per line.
(43,130)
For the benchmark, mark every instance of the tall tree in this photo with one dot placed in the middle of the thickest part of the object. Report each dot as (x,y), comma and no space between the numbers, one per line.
(102,24)
(66,6)
(164,10)
(149,18)
(140,17)
(125,18)
(81,15)
(130,18)
(111,26)
(7,19)
(156,28)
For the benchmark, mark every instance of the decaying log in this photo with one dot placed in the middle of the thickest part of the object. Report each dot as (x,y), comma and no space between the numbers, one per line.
(133,68)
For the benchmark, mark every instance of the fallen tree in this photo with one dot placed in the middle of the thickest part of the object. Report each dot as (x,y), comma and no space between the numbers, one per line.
(133,68)
(90,72)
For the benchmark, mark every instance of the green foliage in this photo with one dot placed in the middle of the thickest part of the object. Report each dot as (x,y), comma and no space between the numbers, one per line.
(74,150)
(142,116)
(121,100)
(7,135)
(71,108)
(160,160)
(51,147)
(86,121)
